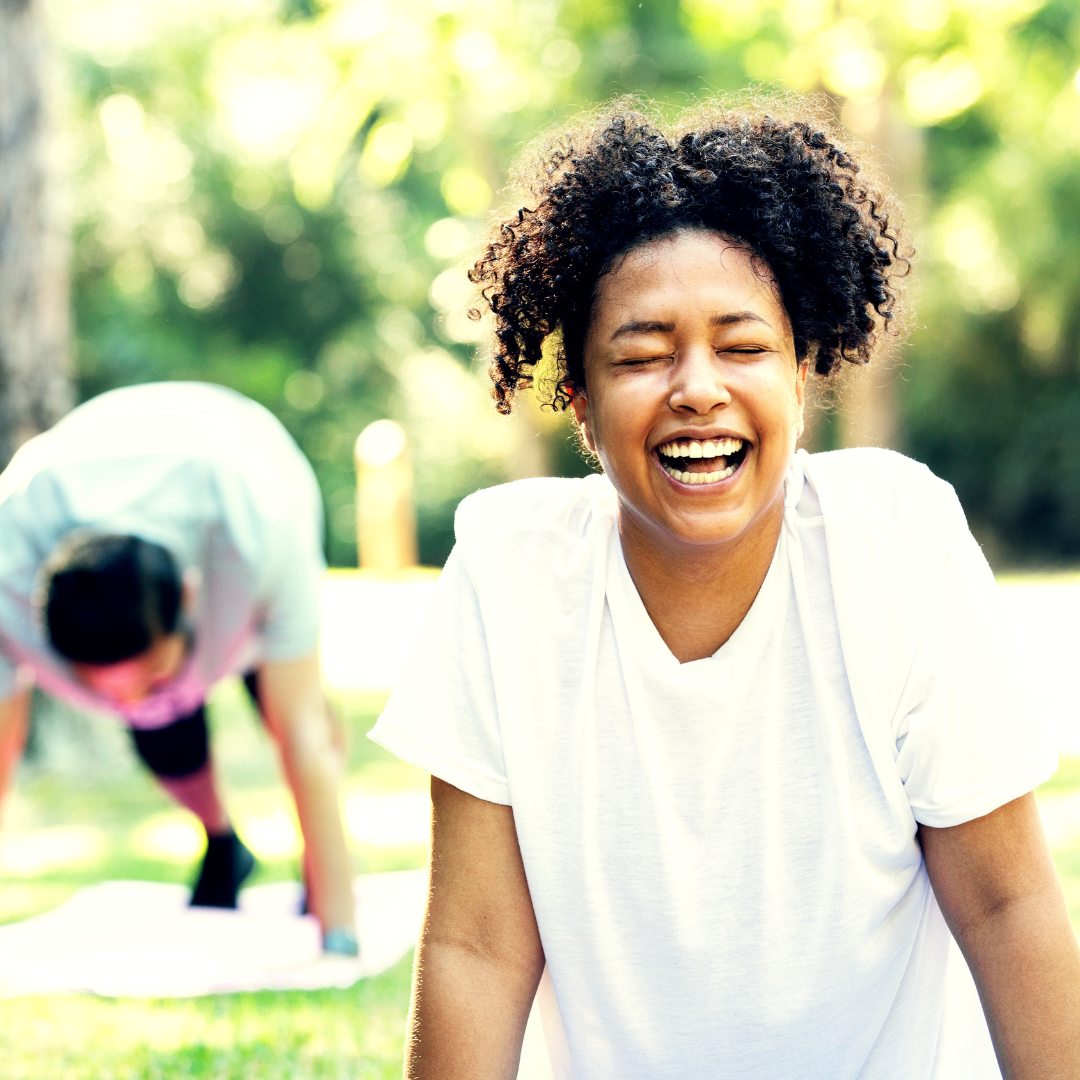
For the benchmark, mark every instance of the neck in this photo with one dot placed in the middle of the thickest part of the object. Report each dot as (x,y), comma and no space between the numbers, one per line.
(698,594)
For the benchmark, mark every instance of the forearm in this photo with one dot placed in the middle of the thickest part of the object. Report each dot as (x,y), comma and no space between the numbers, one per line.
(312,755)
(1026,964)
(468,1014)
(313,769)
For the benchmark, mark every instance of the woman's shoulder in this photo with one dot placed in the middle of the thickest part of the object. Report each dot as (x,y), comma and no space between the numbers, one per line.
(881,489)
(533,511)
(542,502)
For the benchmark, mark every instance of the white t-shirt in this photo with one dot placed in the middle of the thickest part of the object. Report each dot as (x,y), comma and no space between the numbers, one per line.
(722,854)
(208,474)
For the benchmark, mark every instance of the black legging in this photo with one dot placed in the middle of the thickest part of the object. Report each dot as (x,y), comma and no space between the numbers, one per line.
(182,747)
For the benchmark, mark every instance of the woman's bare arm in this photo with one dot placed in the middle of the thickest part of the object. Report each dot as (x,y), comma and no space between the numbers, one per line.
(480,958)
(1000,894)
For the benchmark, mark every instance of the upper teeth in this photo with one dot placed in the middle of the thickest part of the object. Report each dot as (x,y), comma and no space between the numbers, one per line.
(694,449)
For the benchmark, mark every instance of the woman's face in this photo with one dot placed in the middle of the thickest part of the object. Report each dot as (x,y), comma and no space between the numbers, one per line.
(693,398)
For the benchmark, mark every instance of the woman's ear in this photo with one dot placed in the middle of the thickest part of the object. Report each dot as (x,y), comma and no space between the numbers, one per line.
(801,373)
(580,406)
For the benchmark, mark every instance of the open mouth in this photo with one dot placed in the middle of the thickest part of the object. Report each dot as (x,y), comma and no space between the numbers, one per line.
(708,461)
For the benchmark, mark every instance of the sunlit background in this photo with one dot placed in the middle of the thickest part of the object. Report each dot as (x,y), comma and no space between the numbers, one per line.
(283,195)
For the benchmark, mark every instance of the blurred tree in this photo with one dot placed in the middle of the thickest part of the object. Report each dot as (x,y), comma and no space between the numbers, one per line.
(283,198)
(34,387)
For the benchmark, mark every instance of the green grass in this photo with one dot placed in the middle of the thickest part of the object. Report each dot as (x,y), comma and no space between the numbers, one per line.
(356,1033)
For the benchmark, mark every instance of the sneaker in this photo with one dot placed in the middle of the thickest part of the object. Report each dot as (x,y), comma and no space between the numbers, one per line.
(340,942)
(225,866)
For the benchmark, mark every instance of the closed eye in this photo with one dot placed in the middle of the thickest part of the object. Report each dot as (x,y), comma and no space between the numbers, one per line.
(637,361)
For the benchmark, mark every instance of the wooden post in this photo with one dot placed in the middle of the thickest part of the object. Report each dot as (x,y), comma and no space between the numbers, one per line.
(385,516)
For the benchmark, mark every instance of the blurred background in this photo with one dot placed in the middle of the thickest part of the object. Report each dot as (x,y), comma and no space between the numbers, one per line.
(283,195)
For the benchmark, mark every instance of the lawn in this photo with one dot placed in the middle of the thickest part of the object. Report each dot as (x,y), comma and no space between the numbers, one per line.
(355,1034)
(71,826)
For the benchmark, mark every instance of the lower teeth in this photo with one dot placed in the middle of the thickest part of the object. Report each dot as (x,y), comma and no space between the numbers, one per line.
(701,478)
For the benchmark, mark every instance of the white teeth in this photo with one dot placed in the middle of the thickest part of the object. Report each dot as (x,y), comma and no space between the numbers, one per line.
(701,478)
(697,449)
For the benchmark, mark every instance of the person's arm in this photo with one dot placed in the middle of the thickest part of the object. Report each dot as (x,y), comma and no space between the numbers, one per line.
(14,718)
(312,747)
(1000,894)
(480,959)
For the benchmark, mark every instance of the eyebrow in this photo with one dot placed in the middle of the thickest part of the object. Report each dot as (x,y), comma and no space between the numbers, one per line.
(652,327)
(646,327)
(738,317)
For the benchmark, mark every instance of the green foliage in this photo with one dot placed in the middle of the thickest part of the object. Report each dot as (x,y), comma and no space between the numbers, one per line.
(992,400)
(282,197)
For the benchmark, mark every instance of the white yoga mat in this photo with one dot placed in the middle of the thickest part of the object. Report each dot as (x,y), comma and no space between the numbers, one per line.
(140,939)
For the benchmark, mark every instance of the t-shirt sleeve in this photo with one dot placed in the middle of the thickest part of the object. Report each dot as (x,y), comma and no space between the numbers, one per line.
(968,738)
(291,619)
(442,715)
(290,628)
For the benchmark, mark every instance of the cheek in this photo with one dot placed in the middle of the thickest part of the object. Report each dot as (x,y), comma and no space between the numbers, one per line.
(612,428)
(779,400)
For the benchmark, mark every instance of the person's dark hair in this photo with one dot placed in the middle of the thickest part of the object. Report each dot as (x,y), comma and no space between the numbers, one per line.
(785,188)
(108,598)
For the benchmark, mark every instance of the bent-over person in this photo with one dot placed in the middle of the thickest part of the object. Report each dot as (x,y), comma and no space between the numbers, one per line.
(156,540)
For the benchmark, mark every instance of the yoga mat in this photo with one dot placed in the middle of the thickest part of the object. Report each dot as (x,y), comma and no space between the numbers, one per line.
(140,939)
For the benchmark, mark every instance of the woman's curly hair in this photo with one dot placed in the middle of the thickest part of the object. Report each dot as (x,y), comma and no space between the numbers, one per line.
(785,188)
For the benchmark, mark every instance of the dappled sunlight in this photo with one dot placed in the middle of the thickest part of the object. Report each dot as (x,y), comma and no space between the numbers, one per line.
(271,836)
(937,91)
(985,269)
(173,836)
(40,851)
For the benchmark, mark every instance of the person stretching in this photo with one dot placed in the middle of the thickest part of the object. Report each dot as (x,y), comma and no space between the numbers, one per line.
(156,540)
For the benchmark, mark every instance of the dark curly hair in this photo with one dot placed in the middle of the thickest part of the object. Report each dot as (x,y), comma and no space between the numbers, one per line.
(785,188)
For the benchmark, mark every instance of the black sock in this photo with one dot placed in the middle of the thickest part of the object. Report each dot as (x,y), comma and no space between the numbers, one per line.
(226,864)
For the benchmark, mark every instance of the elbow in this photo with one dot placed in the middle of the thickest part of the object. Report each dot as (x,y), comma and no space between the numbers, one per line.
(307,750)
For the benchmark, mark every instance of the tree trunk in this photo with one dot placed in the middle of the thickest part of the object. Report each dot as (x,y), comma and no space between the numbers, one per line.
(35,386)
(868,400)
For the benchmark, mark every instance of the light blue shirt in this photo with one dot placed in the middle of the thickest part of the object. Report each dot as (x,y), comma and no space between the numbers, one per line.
(212,477)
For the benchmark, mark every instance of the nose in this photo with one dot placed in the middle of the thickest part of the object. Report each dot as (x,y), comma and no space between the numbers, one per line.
(697,382)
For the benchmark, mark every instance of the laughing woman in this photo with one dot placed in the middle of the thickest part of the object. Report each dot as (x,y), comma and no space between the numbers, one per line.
(728,735)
